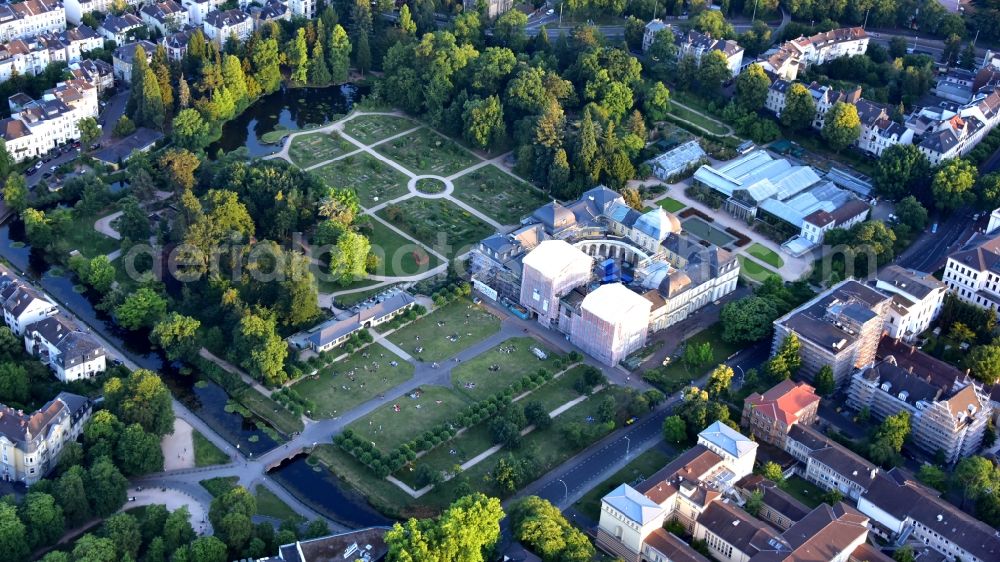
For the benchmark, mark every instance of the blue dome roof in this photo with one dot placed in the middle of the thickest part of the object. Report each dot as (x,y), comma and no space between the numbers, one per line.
(658,224)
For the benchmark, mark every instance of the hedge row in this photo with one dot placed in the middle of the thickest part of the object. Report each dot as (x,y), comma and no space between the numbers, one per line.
(293,401)
(384,465)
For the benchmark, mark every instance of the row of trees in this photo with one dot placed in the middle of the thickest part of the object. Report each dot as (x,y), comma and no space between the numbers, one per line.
(976,478)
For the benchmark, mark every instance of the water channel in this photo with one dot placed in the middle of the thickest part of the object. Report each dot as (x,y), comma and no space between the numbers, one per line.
(290,109)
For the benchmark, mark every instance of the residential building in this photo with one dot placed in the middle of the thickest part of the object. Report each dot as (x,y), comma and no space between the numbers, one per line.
(34,54)
(902,509)
(97,73)
(369,315)
(23,305)
(973,272)
(75,9)
(125,54)
(652,29)
(198,10)
(760,183)
(494,8)
(612,323)
(167,16)
(771,415)
(840,327)
(951,130)
(792,56)
(956,85)
(220,25)
(71,353)
(361,544)
(272,10)
(698,491)
(677,160)
(176,44)
(37,126)
(947,420)
(829,464)
(778,507)
(30,443)
(878,130)
(22,57)
(142,140)
(816,224)
(696,44)
(307,8)
(120,29)
(71,45)
(547,266)
(916,300)
(826,97)
(30,18)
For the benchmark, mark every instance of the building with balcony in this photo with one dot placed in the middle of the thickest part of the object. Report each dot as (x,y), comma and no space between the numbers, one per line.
(30,443)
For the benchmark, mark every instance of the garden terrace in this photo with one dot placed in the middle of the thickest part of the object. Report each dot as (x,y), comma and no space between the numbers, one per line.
(424,152)
(311,149)
(373,181)
(498,194)
(370,129)
(438,223)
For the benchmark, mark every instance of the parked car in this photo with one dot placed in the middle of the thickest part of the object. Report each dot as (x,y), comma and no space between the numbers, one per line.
(934,228)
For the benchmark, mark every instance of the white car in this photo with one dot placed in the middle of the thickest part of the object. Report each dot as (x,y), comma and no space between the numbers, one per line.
(550,12)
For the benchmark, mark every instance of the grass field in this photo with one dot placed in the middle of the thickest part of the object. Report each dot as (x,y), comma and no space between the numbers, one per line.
(558,391)
(271,505)
(80,235)
(754,271)
(499,195)
(765,255)
(373,128)
(677,371)
(639,469)
(804,491)
(334,392)
(671,205)
(509,361)
(389,429)
(446,331)
(704,231)
(438,223)
(205,453)
(397,255)
(373,181)
(307,150)
(220,485)
(426,152)
(710,125)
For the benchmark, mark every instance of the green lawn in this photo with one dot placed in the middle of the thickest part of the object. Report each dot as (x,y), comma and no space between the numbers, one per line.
(437,223)
(804,491)
(373,181)
(398,256)
(754,271)
(765,255)
(710,125)
(373,128)
(671,205)
(446,456)
(80,235)
(677,375)
(307,150)
(492,371)
(271,505)
(389,429)
(558,391)
(498,194)
(446,331)
(205,453)
(425,152)
(639,469)
(334,392)
(220,485)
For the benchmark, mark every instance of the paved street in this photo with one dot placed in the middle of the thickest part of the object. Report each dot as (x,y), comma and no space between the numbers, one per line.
(929,251)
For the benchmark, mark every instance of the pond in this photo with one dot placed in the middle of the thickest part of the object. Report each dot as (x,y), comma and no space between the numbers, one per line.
(205,398)
(326,493)
(291,108)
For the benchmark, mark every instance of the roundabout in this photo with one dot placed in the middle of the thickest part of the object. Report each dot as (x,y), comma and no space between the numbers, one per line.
(430,187)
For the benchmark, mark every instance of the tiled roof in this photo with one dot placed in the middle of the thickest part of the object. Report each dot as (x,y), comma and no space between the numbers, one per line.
(784,401)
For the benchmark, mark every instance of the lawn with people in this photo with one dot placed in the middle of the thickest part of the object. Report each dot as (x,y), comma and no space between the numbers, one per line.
(446,331)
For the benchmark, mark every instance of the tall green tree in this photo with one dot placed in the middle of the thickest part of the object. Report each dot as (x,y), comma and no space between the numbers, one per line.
(339,55)
(43,519)
(889,438)
(841,125)
(177,335)
(141,398)
(824,382)
(106,487)
(714,70)
(319,73)
(298,57)
(140,64)
(123,530)
(264,61)
(260,349)
(800,108)
(484,124)
(901,170)
(141,309)
(752,86)
(467,530)
(15,193)
(952,184)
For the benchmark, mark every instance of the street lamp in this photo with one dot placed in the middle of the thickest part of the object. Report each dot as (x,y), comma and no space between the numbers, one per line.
(566,488)
(754,16)
(628,445)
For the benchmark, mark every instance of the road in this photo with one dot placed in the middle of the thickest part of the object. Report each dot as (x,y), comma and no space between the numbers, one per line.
(929,251)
